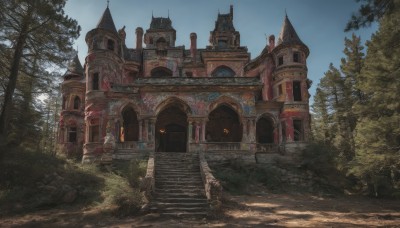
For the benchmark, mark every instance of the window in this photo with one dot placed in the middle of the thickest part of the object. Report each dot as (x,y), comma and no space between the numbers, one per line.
(283,131)
(94,133)
(280,60)
(72,134)
(110,45)
(77,102)
(280,89)
(222,44)
(161,72)
(223,71)
(296,57)
(189,74)
(297,91)
(161,43)
(298,130)
(95,82)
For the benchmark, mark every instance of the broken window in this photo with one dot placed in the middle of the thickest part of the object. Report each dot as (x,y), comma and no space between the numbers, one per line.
(297,91)
(298,130)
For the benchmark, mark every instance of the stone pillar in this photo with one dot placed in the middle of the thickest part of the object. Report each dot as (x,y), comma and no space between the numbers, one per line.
(152,130)
(190,131)
(203,130)
(140,130)
(252,131)
(197,133)
(146,130)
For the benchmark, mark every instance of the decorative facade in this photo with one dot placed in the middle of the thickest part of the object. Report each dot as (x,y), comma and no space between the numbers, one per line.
(164,98)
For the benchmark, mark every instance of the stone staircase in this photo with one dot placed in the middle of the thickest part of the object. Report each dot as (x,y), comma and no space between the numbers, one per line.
(179,189)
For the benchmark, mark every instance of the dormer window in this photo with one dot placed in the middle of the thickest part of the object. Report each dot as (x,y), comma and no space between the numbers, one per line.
(280,60)
(222,44)
(223,71)
(110,45)
(296,57)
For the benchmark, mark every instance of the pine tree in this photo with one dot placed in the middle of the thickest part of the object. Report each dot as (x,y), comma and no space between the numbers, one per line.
(29,28)
(377,139)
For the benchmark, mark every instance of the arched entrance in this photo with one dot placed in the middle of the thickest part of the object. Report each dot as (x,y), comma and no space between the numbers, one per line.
(130,130)
(171,129)
(223,125)
(265,130)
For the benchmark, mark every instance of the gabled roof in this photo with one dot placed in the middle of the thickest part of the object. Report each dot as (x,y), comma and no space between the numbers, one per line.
(288,35)
(106,22)
(74,67)
(161,23)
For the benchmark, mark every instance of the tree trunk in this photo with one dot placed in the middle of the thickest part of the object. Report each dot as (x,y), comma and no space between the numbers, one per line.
(7,105)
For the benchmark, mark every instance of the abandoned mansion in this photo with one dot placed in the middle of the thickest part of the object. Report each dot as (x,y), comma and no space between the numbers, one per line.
(161,97)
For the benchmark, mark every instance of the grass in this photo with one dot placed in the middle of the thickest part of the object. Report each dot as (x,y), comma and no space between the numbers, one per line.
(114,190)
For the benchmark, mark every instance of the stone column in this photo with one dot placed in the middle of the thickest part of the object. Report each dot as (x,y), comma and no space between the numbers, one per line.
(252,131)
(140,130)
(146,130)
(152,130)
(203,130)
(190,131)
(197,133)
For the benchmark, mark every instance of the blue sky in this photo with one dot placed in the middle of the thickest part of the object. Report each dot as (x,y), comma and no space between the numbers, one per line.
(319,23)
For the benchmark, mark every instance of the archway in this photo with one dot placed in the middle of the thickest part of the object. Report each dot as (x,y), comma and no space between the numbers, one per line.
(130,131)
(265,130)
(223,125)
(161,72)
(223,71)
(171,129)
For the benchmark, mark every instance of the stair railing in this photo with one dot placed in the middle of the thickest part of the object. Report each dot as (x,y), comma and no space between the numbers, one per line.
(212,186)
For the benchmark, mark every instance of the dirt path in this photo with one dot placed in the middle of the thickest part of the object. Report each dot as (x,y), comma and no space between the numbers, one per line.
(275,210)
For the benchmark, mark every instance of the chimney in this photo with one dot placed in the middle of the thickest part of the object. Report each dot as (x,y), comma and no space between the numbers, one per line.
(139,38)
(271,42)
(193,45)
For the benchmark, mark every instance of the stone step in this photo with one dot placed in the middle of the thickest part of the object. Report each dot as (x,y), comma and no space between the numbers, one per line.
(177,208)
(178,179)
(163,195)
(185,214)
(161,191)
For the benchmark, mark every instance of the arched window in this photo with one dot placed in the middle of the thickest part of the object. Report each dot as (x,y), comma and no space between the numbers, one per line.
(130,131)
(161,72)
(64,100)
(223,125)
(223,71)
(110,45)
(77,102)
(265,130)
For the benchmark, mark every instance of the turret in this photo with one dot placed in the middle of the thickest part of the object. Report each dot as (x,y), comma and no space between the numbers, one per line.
(291,84)
(161,34)
(224,35)
(139,38)
(193,46)
(70,135)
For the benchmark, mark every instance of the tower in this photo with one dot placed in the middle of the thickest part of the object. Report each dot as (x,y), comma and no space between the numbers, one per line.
(102,72)
(224,34)
(71,132)
(290,83)
(161,34)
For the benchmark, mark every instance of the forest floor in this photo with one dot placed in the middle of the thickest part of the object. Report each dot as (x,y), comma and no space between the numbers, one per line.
(258,210)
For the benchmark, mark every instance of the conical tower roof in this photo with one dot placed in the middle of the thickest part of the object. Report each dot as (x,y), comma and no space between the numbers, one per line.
(106,22)
(74,67)
(288,35)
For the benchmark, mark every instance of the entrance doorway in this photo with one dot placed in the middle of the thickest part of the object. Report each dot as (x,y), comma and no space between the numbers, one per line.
(171,130)
(265,130)
(223,125)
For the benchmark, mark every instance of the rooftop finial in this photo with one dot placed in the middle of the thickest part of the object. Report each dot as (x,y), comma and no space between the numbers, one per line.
(168,13)
(285,13)
(152,15)
(108,3)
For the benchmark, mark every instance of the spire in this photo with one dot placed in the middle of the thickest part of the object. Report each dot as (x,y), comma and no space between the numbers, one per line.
(288,35)
(106,21)
(74,67)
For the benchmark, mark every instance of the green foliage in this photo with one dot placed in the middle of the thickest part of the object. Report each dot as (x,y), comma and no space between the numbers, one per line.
(238,177)
(24,170)
(370,11)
